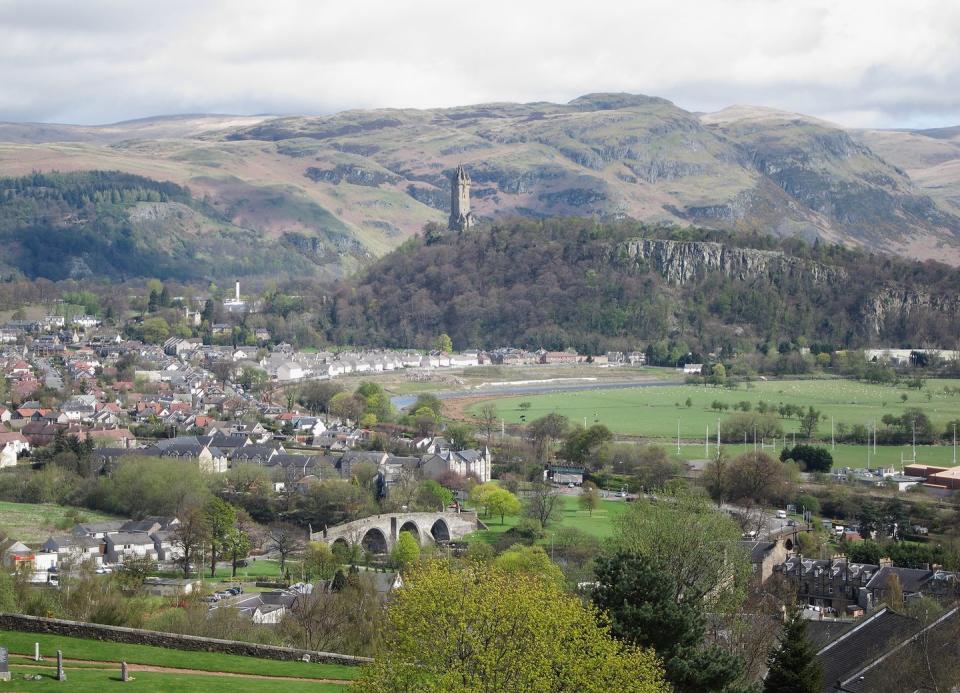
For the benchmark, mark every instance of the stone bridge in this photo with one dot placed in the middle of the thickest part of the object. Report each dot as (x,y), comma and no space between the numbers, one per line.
(379,533)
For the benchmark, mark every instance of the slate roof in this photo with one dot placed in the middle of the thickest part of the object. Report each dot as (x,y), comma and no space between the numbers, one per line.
(911,579)
(862,644)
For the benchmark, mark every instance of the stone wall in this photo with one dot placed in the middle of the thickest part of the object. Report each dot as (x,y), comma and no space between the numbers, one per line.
(136,636)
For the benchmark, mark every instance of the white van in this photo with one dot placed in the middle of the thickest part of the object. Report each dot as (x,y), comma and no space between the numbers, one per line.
(781,514)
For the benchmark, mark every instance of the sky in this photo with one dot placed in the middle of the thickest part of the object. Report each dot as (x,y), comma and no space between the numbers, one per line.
(859,63)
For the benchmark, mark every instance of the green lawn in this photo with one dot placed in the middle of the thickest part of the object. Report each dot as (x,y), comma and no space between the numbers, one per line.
(78,648)
(654,411)
(599,524)
(35,522)
(155,682)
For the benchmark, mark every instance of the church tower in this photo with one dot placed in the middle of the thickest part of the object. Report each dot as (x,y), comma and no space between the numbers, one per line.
(461,218)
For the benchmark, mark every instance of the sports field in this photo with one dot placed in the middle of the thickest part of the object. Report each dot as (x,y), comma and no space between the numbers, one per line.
(655,411)
(92,664)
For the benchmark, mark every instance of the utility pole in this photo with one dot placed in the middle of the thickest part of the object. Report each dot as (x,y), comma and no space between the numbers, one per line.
(678,436)
(954,445)
(833,442)
(706,442)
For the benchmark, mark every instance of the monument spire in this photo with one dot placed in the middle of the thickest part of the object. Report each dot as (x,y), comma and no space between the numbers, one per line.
(461,218)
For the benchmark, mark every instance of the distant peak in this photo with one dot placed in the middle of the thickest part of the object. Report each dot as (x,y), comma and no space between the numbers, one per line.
(605,101)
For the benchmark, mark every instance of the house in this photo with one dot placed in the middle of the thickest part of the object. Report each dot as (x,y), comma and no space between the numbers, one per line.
(692,368)
(167,547)
(876,653)
(124,546)
(558,357)
(78,550)
(262,607)
(170,587)
(97,530)
(14,554)
(765,556)
(565,474)
(289,370)
(464,463)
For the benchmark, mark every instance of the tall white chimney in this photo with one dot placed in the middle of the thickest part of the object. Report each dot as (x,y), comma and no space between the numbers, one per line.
(237,285)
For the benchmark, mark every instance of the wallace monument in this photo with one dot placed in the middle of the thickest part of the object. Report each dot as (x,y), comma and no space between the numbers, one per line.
(461,218)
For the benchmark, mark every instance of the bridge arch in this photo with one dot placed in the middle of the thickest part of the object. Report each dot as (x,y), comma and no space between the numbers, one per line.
(440,531)
(374,541)
(411,527)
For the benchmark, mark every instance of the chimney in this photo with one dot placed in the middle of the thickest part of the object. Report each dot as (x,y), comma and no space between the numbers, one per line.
(237,287)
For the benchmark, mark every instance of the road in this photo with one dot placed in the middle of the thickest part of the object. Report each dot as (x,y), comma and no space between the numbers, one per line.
(51,377)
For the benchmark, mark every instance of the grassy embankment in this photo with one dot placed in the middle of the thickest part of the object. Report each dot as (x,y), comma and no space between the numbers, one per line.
(92,674)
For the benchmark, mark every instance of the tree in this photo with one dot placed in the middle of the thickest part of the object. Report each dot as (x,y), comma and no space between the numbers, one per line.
(529,560)
(545,430)
(220,518)
(583,441)
(814,459)
(501,502)
(648,608)
(189,536)
(756,477)
(406,551)
(460,436)
(692,541)
(285,539)
(433,496)
(319,561)
(543,503)
(589,497)
(488,420)
(347,406)
(808,422)
(316,395)
(154,330)
(236,545)
(793,665)
(431,402)
(485,629)
(443,343)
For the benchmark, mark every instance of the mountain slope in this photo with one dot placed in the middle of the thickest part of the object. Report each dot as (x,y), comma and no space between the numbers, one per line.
(354,185)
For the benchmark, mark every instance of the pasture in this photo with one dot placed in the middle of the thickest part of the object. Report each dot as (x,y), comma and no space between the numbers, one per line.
(35,522)
(656,412)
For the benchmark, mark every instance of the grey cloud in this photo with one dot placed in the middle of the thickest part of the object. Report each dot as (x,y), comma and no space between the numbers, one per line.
(864,62)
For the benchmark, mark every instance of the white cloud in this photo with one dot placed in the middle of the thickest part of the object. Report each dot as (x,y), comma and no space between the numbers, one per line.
(858,61)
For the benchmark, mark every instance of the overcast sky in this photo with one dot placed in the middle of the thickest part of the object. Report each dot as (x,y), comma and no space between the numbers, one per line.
(857,62)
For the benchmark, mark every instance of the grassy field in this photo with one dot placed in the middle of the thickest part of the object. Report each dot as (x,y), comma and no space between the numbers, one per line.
(854,456)
(656,412)
(97,651)
(34,522)
(95,680)
(599,524)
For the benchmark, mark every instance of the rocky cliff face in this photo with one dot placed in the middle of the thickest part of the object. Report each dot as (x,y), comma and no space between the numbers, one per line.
(886,309)
(681,262)
(892,305)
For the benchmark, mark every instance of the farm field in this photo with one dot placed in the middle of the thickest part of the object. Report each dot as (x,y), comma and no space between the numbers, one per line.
(654,412)
(100,666)
(34,522)
(600,524)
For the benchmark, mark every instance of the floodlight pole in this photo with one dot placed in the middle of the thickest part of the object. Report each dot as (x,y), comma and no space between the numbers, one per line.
(678,436)
(706,442)
(833,442)
(954,444)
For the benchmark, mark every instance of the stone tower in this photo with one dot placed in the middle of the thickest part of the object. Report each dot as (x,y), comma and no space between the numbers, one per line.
(461,218)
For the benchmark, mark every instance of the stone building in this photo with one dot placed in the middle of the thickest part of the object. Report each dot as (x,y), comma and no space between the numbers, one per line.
(461,218)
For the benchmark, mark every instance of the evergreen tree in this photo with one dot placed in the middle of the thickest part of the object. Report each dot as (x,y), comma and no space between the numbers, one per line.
(793,666)
(639,598)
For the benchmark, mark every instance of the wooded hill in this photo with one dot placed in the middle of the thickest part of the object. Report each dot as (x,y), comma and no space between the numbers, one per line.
(574,283)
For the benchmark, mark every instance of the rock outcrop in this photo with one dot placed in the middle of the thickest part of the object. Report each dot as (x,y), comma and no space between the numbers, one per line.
(680,262)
